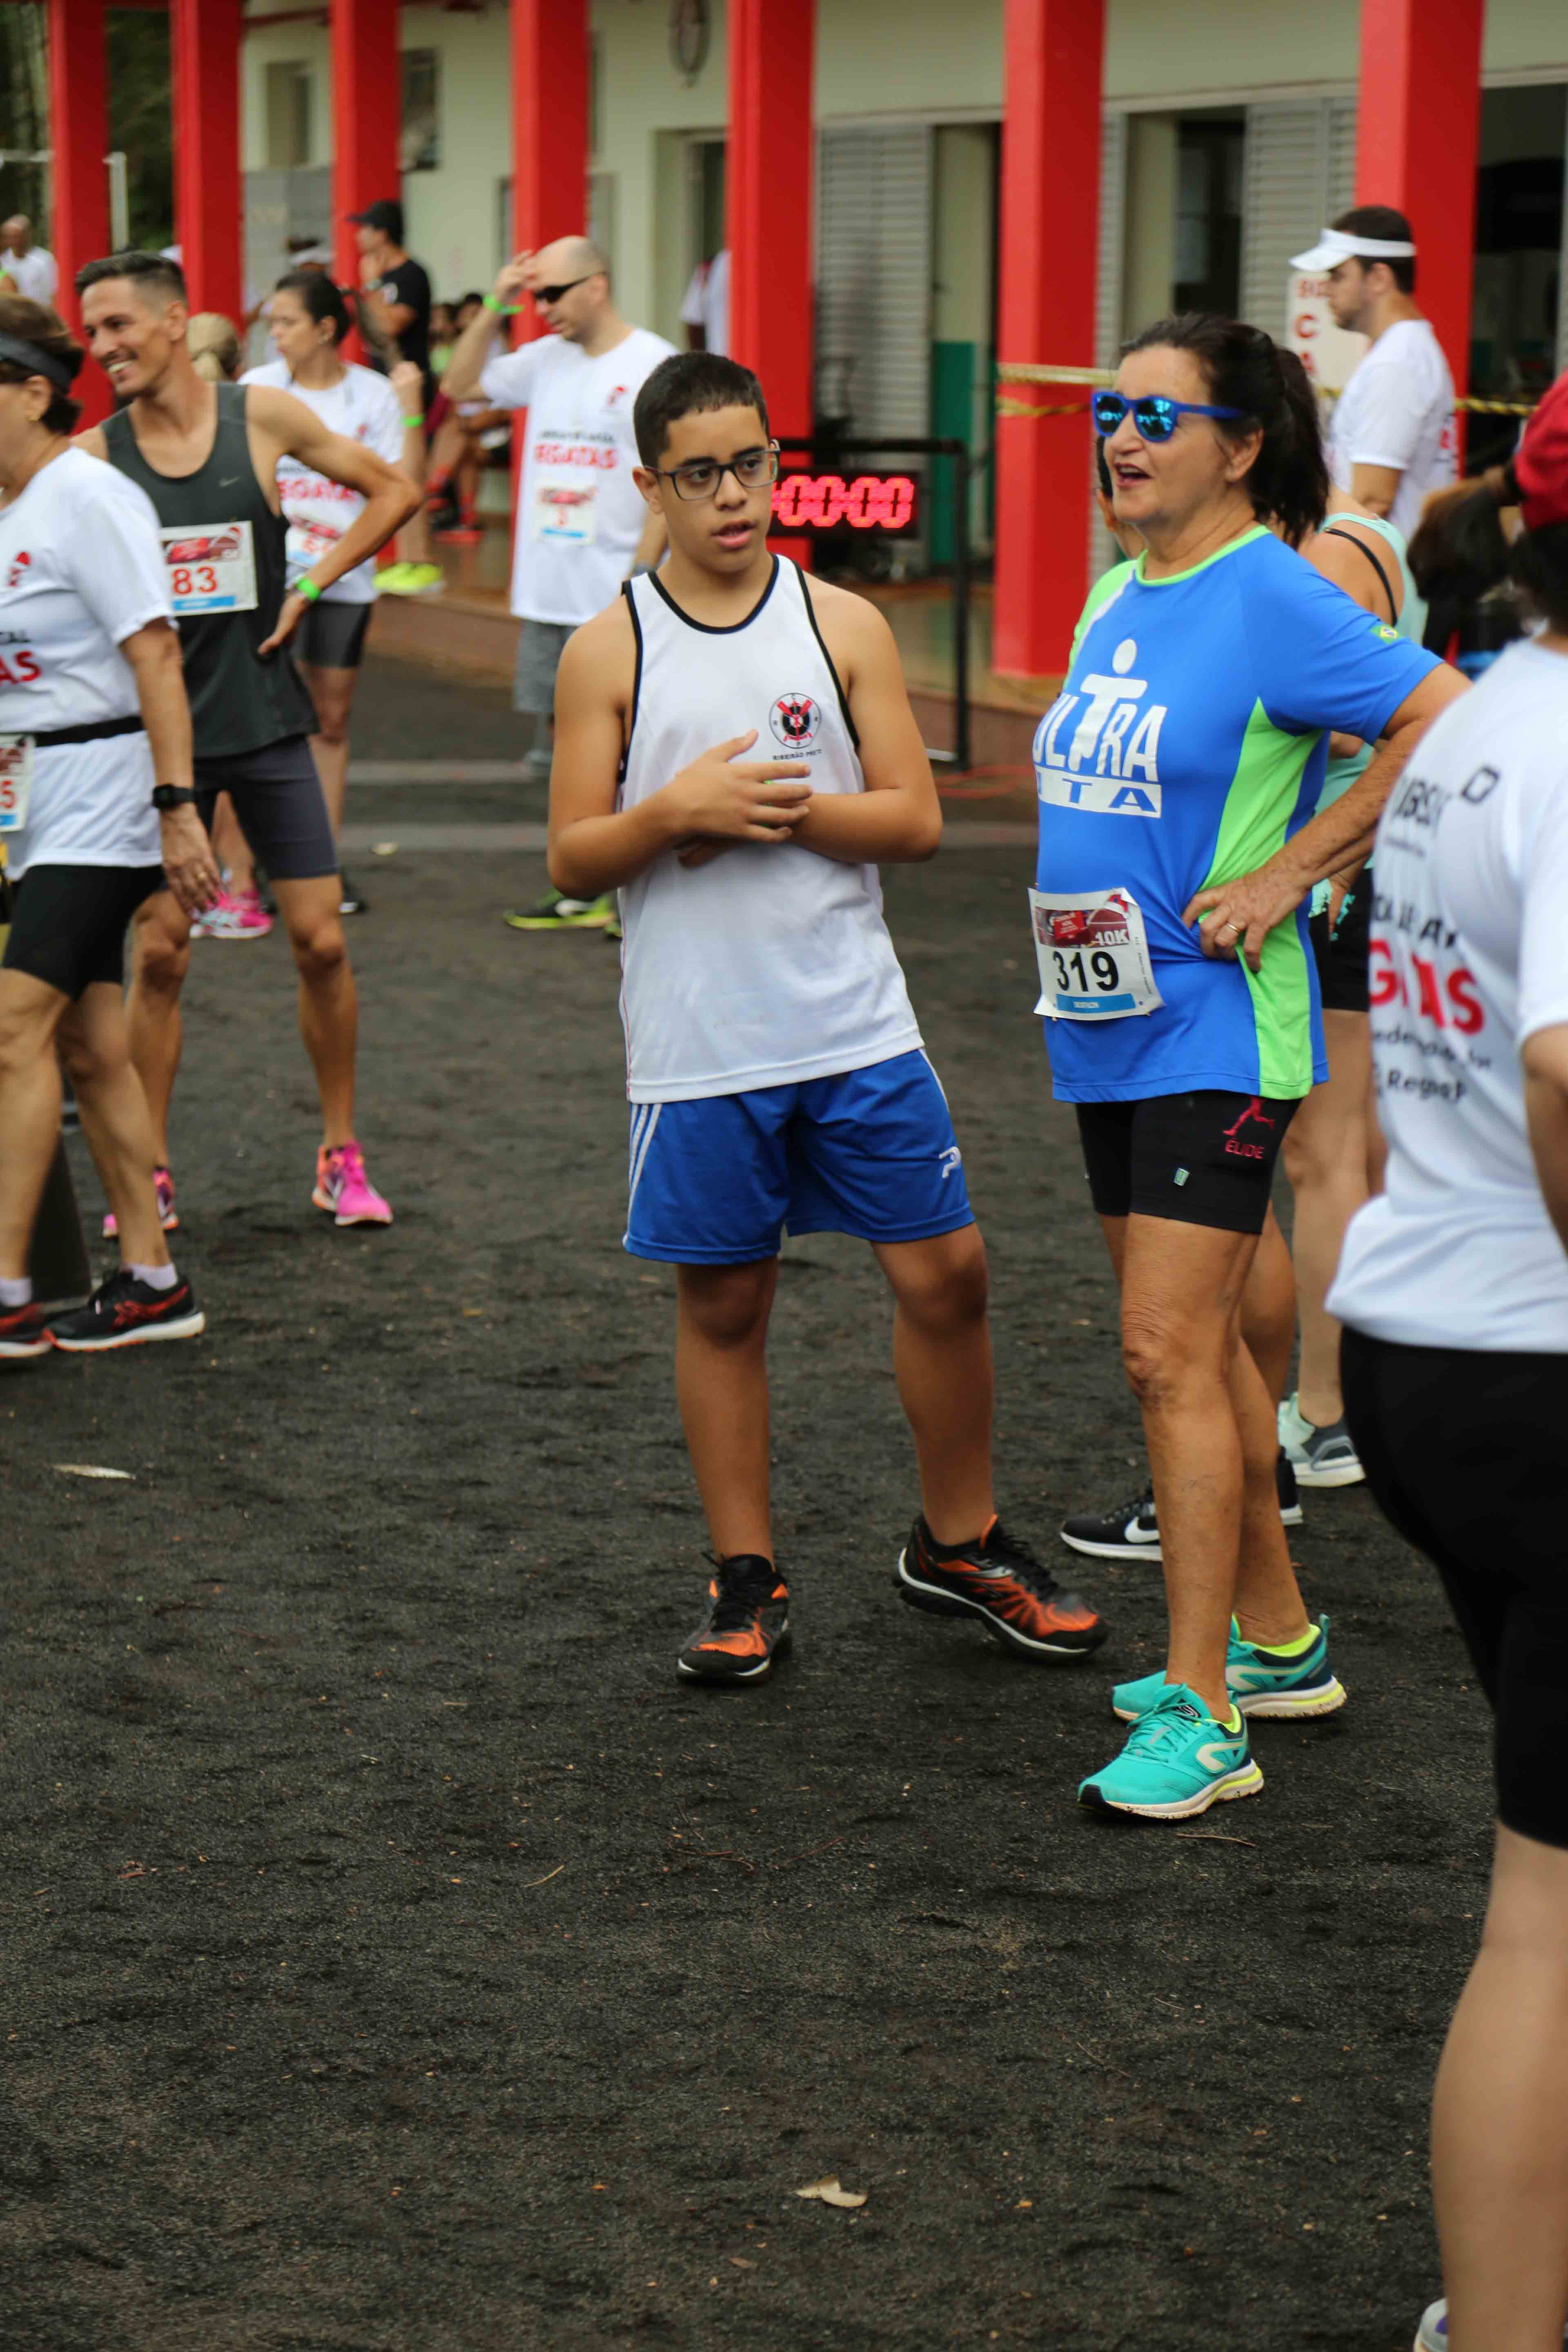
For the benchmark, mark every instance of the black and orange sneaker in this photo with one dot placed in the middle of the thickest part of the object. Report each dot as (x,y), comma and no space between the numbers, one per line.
(747,1623)
(999,1580)
(22,1332)
(124,1312)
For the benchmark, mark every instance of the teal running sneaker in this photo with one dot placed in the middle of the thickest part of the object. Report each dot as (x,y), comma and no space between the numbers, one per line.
(1178,1761)
(1260,1681)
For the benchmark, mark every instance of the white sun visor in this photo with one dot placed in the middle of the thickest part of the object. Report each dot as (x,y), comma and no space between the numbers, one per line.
(1337,244)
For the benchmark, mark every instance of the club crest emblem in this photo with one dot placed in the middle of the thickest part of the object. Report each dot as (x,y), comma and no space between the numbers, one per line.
(796,720)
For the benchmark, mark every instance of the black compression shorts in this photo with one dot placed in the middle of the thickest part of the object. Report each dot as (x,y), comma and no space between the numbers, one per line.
(68,923)
(1341,956)
(1463,1450)
(277,797)
(1199,1160)
(332,636)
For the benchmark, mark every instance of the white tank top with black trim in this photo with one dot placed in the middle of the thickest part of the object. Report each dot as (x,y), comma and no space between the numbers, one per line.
(771,964)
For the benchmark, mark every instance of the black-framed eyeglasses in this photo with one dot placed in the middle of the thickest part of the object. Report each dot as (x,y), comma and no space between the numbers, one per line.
(699,477)
(553,293)
(1154,417)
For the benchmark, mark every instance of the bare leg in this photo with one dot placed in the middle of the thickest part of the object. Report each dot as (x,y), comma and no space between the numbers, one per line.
(96,1049)
(329,1006)
(231,848)
(1325,1152)
(30,1013)
(1268,1309)
(1499,2118)
(160,959)
(1181,1296)
(1269,1605)
(332,692)
(721,1382)
(942,1356)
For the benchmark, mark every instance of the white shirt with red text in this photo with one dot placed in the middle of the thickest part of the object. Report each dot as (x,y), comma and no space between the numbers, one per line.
(364,409)
(580,515)
(1469,958)
(81,569)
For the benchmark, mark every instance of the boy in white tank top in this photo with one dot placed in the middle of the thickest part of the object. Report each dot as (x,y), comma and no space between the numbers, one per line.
(774,1067)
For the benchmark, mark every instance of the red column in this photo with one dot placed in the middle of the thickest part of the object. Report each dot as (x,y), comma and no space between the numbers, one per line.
(367,122)
(1051,223)
(549,147)
(78,119)
(1417,146)
(770,202)
(209,199)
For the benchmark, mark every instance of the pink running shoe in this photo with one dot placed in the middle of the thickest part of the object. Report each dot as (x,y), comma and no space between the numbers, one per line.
(344,1188)
(237,916)
(163,1185)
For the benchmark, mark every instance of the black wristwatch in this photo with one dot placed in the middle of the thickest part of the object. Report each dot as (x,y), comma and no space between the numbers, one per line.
(173,796)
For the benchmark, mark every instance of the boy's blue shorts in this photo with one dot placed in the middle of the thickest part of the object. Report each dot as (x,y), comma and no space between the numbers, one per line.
(870,1153)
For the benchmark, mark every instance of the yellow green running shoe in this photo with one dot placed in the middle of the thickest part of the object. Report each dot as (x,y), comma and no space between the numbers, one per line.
(555,912)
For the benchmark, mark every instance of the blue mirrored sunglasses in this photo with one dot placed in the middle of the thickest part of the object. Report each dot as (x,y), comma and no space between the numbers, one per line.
(1154,418)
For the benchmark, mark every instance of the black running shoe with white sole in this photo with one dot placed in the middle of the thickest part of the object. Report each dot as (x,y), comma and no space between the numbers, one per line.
(124,1312)
(1000,1581)
(746,1626)
(1131,1532)
(24,1332)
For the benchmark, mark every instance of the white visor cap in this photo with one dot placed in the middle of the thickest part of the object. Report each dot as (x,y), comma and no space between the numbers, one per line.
(1337,244)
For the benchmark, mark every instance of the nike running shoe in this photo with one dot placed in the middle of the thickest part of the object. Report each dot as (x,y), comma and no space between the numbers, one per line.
(168,1215)
(1000,1581)
(1260,1681)
(555,912)
(232,917)
(125,1312)
(343,1188)
(22,1332)
(614,932)
(353,900)
(1133,1527)
(412,580)
(1432,2336)
(1320,1456)
(1178,1761)
(746,1626)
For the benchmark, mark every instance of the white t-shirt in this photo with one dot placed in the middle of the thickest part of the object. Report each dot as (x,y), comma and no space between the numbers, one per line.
(707,303)
(581,514)
(362,407)
(81,569)
(1469,957)
(1398,409)
(37,273)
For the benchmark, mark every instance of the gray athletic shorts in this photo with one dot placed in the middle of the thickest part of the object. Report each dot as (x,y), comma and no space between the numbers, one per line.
(277,798)
(540,646)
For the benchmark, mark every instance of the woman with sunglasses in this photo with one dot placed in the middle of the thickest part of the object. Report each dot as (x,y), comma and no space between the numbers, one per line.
(1177,773)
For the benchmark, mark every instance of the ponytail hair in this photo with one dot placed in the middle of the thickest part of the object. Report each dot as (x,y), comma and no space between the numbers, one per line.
(213,342)
(1244,369)
(315,292)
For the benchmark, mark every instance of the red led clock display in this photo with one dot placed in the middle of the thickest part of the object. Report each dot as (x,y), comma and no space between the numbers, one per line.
(822,502)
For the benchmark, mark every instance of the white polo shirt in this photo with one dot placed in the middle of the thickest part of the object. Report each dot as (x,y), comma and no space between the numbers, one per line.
(1397,410)
(580,514)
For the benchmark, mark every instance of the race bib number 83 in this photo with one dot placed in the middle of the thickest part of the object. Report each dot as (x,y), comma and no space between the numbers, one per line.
(1093,955)
(211,569)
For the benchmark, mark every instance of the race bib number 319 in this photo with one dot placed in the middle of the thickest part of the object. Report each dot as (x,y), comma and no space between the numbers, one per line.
(1093,954)
(211,570)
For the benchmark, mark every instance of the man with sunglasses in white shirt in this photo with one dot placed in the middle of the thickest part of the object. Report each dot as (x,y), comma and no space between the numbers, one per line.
(580,526)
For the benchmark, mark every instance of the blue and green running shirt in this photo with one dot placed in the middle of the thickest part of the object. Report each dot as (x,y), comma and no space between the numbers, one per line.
(1187,744)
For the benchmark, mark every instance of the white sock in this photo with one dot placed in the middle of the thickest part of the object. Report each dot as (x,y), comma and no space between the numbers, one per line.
(156,1278)
(15,1290)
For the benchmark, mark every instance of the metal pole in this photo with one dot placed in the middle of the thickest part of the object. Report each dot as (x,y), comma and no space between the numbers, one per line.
(961,744)
(118,202)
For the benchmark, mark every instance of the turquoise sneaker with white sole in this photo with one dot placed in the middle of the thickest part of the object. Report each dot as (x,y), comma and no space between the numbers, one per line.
(1178,1761)
(1260,1681)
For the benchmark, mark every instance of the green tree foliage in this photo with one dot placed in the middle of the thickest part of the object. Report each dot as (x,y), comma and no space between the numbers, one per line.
(139,116)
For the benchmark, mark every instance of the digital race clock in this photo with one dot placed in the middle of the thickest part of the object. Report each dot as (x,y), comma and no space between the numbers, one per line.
(887,502)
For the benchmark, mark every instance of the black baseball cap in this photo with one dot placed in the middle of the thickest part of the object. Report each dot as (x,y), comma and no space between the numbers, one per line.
(386,216)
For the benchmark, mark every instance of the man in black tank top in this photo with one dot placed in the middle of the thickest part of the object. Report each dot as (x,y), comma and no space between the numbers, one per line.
(207,455)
